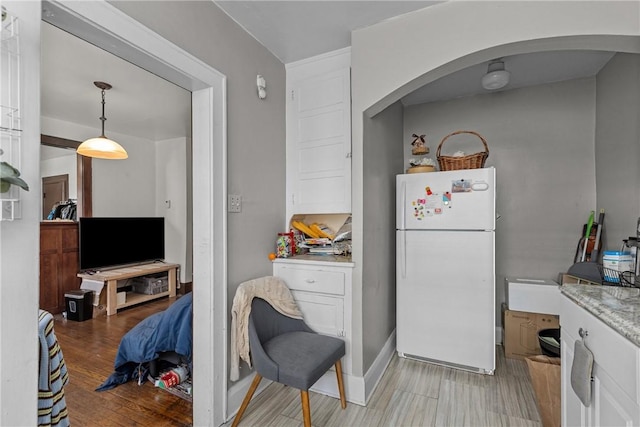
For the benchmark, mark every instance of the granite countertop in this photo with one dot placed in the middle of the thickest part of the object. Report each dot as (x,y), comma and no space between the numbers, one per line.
(617,307)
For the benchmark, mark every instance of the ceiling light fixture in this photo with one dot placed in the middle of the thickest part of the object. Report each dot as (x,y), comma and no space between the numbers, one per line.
(102,147)
(497,77)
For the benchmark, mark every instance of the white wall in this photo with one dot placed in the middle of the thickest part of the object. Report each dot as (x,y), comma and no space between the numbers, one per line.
(64,165)
(19,243)
(120,187)
(618,147)
(541,142)
(172,198)
(397,56)
(126,187)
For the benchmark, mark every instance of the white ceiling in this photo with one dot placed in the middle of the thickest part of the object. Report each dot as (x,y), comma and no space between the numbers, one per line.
(144,105)
(526,70)
(294,30)
(140,104)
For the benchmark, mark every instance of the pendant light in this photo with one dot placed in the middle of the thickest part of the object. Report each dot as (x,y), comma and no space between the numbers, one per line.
(102,147)
(497,77)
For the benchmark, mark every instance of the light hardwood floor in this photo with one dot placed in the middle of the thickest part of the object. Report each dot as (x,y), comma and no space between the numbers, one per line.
(413,393)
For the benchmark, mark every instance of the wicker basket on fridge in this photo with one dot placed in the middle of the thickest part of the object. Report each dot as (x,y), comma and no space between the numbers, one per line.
(472,161)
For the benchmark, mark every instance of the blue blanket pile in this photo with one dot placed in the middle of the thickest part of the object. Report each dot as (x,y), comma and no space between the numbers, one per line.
(169,330)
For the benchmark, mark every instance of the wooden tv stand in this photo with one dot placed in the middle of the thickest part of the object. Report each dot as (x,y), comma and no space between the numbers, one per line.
(111,277)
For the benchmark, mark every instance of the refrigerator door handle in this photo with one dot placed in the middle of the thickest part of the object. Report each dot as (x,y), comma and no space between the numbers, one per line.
(402,255)
(403,205)
(480,186)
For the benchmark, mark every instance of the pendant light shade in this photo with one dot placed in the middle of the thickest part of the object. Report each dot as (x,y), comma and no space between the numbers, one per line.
(497,77)
(102,147)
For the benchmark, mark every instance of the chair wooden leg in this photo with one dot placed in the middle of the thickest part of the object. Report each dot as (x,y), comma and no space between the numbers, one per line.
(343,399)
(306,411)
(247,399)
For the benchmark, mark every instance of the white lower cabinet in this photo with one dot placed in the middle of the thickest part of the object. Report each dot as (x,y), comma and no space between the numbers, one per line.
(322,291)
(615,396)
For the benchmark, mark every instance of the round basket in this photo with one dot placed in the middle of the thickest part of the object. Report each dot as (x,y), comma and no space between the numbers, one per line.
(472,161)
(418,151)
(421,169)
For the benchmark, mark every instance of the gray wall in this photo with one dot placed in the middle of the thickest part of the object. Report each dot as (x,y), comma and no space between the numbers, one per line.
(383,161)
(618,147)
(541,142)
(255,128)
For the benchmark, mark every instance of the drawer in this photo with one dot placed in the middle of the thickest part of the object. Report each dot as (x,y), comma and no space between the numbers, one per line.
(611,351)
(311,279)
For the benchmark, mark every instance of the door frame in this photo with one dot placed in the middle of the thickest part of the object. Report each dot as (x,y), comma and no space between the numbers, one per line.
(105,26)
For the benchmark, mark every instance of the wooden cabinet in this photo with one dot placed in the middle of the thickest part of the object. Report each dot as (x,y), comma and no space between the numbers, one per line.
(322,291)
(318,115)
(58,263)
(615,393)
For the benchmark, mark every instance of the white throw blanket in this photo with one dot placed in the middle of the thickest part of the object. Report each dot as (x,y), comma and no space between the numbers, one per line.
(271,289)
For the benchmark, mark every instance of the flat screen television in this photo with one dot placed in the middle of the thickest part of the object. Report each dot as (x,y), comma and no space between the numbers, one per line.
(117,241)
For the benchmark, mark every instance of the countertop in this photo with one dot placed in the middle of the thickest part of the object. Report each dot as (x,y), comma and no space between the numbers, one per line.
(329,260)
(617,307)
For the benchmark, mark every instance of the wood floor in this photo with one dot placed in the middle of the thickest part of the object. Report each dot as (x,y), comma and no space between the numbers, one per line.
(89,350)
(410,393)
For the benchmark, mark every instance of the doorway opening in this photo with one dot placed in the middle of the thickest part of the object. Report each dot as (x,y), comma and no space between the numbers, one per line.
(54,189)
(106,27)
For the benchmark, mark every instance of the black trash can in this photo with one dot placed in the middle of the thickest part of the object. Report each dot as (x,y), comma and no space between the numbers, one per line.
(549,340)
(79,304)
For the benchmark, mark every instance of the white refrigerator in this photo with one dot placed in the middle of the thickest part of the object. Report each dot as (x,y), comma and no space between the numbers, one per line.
(445,268)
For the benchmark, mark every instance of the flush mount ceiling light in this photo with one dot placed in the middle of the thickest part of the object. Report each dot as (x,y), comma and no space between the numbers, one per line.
(497,77)
(102,147)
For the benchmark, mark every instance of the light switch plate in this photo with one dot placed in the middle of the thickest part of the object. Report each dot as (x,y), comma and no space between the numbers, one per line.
(235,203)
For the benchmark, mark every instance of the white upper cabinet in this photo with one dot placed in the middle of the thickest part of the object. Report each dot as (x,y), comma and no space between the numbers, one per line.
(319,134)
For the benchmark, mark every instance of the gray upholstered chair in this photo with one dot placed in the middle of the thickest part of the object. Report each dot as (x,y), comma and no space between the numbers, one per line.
(287,351)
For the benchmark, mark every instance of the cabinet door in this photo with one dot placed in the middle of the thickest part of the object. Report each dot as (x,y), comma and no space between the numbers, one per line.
(319,139)
(69,261)
(50,270)
(611,406)
(58,264)
(323,314)
(574,413)
(615,398)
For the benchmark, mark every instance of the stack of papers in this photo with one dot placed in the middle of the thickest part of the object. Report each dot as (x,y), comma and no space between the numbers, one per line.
(319,246)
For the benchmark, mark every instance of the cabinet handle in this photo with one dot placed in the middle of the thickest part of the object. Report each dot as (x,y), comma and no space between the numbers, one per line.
(310,281)
(583,332)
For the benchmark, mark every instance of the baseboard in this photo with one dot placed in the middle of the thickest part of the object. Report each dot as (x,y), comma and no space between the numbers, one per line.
(353,387)
(236,393)
(376,371)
